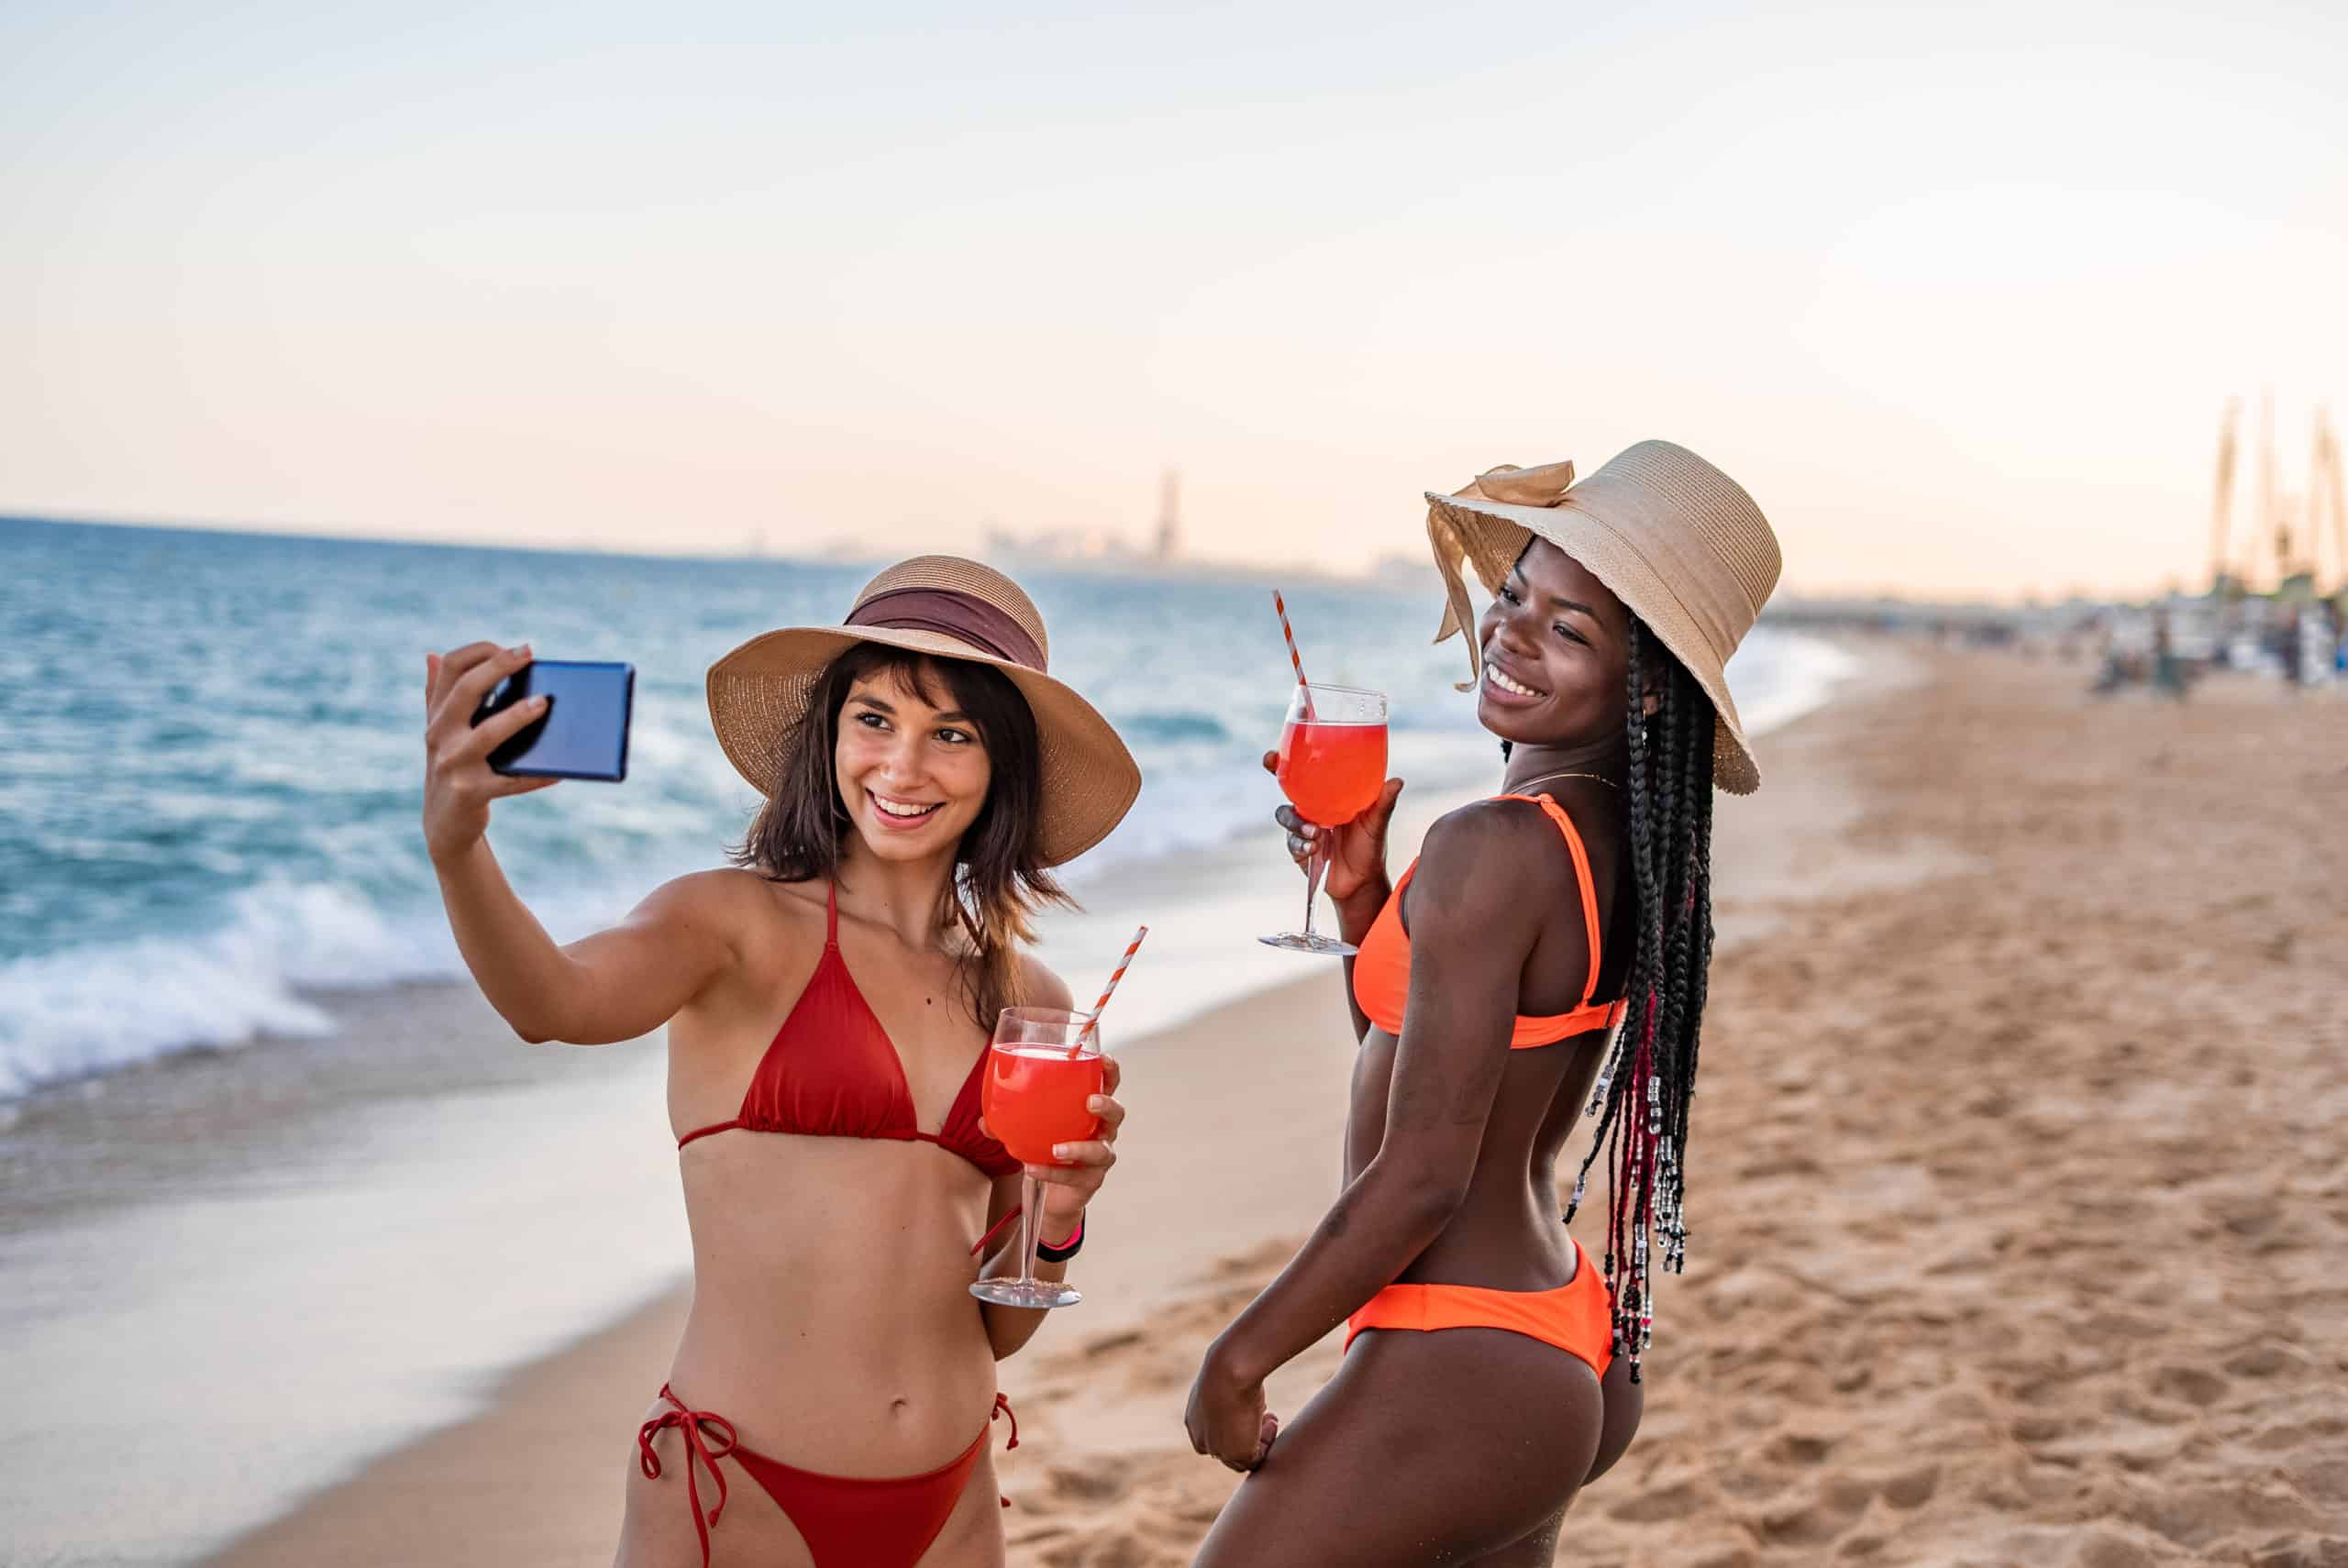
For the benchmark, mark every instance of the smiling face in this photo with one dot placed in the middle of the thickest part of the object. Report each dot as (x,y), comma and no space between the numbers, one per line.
(913,775)
(1556,652)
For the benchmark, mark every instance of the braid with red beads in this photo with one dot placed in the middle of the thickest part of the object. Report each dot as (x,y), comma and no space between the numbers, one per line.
(1642,1095)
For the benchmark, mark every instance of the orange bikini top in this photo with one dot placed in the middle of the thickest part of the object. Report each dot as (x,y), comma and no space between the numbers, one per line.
(1382,968)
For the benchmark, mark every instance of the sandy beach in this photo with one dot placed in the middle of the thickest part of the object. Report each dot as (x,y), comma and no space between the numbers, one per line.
(2016,1229)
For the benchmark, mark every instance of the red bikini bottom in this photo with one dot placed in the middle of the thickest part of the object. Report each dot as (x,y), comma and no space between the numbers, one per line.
(847,1522)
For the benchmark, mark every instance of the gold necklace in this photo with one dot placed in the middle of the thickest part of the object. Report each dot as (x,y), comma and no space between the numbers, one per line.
(1545,778)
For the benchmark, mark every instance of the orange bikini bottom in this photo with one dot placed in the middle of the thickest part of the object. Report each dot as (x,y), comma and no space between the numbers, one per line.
(1577,1317)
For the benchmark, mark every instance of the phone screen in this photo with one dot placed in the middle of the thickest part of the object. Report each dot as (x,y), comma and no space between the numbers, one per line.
(584,732)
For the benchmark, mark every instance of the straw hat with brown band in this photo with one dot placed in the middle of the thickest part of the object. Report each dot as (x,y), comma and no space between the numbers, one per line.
(948,608)
(1677,540)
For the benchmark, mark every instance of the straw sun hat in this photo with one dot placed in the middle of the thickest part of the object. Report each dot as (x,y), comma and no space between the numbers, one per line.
(948,608)
(1675,539)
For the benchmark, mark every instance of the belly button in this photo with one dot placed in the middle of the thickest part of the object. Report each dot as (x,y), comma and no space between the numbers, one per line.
(899,1404)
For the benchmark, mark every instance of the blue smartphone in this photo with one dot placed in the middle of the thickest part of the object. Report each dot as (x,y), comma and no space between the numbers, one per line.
(584,732)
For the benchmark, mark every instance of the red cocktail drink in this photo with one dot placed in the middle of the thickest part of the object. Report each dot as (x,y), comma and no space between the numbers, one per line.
(1033,1097)
(1330,772)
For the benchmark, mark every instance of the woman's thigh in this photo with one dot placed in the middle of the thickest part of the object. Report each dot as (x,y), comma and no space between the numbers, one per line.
(973,1537)
(1425,1448)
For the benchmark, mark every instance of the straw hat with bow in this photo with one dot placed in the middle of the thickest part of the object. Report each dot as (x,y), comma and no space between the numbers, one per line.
(1677,541)
(948,608)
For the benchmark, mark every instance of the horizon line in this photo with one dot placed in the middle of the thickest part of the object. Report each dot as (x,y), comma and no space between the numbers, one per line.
(1188,563)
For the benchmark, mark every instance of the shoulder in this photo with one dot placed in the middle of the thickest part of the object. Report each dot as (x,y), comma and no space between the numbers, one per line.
(1040,986)
(1489,832)
(1489,861)
(742,909)
(710,892)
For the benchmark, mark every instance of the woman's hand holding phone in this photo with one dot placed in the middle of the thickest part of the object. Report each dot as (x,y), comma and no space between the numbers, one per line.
(458,783)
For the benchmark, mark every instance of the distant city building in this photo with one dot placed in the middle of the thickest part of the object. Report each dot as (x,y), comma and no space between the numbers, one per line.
(1062,547)
(1169,520)
(1096,547)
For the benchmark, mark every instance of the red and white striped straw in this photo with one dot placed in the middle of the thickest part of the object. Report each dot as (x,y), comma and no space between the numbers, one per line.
(1280,606)
(1109,990)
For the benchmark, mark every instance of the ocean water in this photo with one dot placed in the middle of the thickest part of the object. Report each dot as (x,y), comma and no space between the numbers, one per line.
(210,751)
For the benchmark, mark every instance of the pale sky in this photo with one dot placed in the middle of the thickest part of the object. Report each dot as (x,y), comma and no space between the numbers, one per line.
(1957,292)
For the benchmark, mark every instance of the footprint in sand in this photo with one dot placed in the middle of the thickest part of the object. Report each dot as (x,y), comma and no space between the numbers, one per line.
(1099,1485)
(1802,1449)
(1685,1498)
(1911,1489)
(2103,1547)
(1814,1517)
(2295,1435)
(2194,1385)
(2302,1551)
(1113,1548)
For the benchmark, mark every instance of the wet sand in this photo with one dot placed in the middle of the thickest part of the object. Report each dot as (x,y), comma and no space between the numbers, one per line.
(2017,1219)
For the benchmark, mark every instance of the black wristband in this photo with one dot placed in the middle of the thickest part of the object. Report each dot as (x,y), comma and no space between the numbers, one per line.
(1046,1252)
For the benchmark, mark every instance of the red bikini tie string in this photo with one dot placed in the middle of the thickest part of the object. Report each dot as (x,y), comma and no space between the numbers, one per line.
(1000,1226)
(1002,1408)
(690,1423)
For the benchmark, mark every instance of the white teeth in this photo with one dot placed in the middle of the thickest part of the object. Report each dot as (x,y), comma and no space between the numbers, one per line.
(1505,684)
(893,808)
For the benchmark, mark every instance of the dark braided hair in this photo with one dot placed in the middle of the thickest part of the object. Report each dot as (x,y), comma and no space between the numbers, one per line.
(1641,1096)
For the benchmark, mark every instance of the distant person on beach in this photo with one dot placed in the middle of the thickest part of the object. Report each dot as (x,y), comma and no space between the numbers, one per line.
(2168,670)
(922,775)
(1548,951)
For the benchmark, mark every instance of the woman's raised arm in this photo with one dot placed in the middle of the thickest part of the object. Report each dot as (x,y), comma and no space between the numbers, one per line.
(615,985)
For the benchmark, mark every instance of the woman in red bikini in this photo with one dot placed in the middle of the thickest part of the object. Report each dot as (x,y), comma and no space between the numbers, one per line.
(1544,959)
(922,775)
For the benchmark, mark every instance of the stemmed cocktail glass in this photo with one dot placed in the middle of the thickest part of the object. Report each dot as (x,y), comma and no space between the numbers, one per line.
(1042,1071)
(1331,765)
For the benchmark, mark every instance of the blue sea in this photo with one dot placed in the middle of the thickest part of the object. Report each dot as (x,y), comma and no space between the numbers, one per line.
(210,751)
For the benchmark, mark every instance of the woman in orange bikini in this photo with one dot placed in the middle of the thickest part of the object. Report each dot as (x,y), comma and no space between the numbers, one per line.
(1544,959)
(922,775)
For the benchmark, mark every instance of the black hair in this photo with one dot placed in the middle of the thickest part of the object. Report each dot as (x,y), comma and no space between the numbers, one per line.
(1642,1095)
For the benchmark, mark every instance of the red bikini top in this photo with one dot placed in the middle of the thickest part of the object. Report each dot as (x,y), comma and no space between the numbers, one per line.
(832,1071)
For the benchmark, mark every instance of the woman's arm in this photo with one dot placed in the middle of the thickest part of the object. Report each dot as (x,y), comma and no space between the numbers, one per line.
(1474,928)
(615,985)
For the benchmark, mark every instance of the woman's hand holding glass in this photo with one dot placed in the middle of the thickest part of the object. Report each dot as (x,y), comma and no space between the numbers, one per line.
(1331,759)
(1070,1184)
(1049,1097)
(1354,874)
